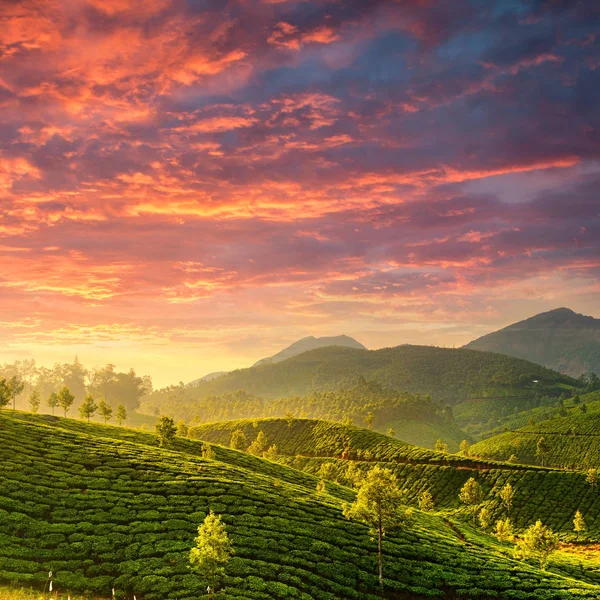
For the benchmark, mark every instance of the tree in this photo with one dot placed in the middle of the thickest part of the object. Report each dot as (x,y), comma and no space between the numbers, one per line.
(426,501)
(538,540)
(592,477)
(88,407)
(321,486)
(377,504)
(259,445)
(464,448)
(15,386)
(213,549)
(207,451)
(121,414)
(542,449)
(165,431)
(105,410)
(507,494)
(503,530)
(440,446)
(53,401)
(471,495)
(579,523)
(391,432)
(65,399)
(583,408)
(34,400)
(238,440)
(272,453)
(327,471)
(485,518)
(4,393)
(512,459)
(182,429)
(369,418)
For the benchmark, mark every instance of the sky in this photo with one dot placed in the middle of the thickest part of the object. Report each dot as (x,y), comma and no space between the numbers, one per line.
(191,185)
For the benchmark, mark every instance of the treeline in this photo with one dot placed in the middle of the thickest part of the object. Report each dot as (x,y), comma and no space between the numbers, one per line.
(114,387)
(366,403)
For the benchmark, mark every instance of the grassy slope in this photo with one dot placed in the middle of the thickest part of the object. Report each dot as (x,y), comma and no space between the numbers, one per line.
(452,374)
(574,440)
(426,433)
(102,507)
(550,495)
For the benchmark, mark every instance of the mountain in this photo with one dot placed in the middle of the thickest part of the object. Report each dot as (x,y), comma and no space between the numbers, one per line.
(311,343)
(560,339)
(207,377)
(451,374)
(111,514)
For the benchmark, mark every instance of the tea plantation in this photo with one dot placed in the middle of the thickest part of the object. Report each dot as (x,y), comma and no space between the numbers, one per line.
(104,507)
(540,493)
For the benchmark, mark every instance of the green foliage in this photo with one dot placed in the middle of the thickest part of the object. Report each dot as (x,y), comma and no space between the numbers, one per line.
(213,549)
(238,440)
(259,445)
(105,410)
(484,517)
(507,495)
(65,399)
(88,407)
(53,401)
(165,431)
(504,530)
(538,540)
(34,400)
(426,503)
(5,393)
(208,452)
(182,429)
(579,523)
(471,495)
(121,414)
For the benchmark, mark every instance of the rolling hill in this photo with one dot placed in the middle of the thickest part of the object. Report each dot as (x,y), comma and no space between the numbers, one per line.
(452,374)
(560,339)
(104,507)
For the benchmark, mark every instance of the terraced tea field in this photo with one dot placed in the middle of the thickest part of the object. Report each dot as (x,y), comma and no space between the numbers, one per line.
(104,507)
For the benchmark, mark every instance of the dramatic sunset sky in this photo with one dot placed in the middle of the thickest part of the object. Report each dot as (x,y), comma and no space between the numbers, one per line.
(190,185)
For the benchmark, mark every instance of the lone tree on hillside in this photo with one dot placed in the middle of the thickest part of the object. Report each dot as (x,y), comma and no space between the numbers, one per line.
(165,431)
(441,447)
(378,504)
(538,540)
(259,445)
(471,495)
(34,400)
(238,440)
(4,393)
(592,477)
(88,407)
(503,530)
(426,501)
(53,401)
(507,494)
(212,551)
(369,418)
(182,429)
(65,399)
(464,448)
(542,449)
(15,385)
(485,519)
(121,414)
(105,410)
(579,523)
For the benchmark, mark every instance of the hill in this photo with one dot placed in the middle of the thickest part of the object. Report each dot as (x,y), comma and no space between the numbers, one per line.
(311,343)
(573,439)
(452,374)
(103,508)
(560,339)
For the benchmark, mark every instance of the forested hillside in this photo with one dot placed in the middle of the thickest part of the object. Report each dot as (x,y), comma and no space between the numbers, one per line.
(560,339)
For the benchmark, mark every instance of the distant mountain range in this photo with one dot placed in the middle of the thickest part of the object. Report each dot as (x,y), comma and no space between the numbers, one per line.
(560,339)
(302,345)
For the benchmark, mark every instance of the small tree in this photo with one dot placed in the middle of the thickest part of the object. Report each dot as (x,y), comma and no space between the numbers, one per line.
(165,431)
(503,530)
(15,386)
(369,418)
(391,432)
(238,440)
(321,486)
(212,551)
(34,400)
(53,401)
(121,414)
(327,471)
(4,393)
(579,523)
(289,417)
(512,459)
(464,448)
(377,504)
(542,449)
(259,445)
(507,494)
(485,519)
(440,446)
(88,407)
(538,540)
(592,477)
(65,399)
(208,452)
(182,429)
(353,474)
(105,410)
(426,503)
(272,453)
(471,495)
